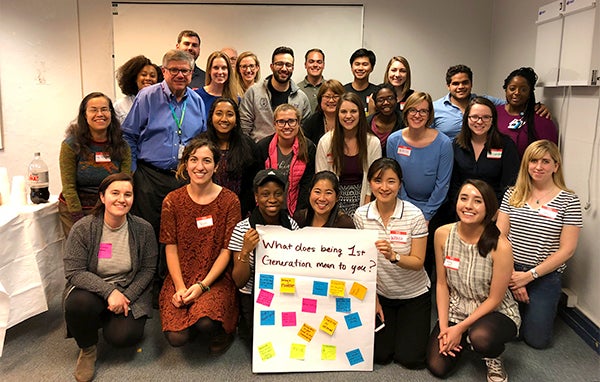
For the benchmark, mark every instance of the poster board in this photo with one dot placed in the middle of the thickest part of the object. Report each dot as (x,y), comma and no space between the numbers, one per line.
(314,294)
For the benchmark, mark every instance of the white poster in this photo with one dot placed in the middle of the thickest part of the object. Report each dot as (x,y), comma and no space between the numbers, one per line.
(314,300)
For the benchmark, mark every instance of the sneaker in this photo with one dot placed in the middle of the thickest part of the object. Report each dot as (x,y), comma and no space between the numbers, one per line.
(496,372)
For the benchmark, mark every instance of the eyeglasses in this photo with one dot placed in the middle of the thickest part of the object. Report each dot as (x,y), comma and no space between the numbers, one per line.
(176,71)
(103,110)
(422,112)
(282,122)
(390,99)
(484,118)
(334,97)
(280,64)
(246,67)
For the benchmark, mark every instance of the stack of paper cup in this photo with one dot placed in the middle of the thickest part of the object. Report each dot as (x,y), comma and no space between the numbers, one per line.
(18,192)
(4,186)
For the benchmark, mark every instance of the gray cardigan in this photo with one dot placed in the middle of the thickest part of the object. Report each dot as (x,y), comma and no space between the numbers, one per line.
(81,262)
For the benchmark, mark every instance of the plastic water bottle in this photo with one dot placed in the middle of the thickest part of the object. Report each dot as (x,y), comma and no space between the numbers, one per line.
(37,179)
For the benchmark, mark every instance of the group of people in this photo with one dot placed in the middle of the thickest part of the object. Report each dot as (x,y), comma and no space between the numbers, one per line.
(455,188)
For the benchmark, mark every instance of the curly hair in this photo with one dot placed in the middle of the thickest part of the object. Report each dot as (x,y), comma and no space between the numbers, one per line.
(128,72)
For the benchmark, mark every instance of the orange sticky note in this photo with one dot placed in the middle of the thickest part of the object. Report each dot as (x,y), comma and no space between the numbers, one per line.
(358,290)
(307,332)
(287,285)
(337,288)
(328,325)
(266,351)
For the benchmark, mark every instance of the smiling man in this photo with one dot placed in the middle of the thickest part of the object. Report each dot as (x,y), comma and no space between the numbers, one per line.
(189,41)
(362,63)
(314,63)
(256,108)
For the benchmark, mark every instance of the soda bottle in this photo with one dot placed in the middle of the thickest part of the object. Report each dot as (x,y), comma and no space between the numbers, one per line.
(37,179)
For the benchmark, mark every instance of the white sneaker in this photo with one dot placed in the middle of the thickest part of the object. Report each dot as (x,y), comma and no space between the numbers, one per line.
(496,372)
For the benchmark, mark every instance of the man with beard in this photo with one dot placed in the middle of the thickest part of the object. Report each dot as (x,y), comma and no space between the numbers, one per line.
(256,108)
(189,41)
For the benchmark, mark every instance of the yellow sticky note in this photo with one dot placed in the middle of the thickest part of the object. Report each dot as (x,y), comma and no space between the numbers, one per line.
(328,325)
(307,332)
(358,290)
(337,288)
(328,352)
(297,351)
(266,351)
(287,285)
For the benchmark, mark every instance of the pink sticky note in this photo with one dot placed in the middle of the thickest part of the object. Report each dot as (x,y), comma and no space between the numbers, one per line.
(105,251)
(288,318)
(264,297)
(309,305)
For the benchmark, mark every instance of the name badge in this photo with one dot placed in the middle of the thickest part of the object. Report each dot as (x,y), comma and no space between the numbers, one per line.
(452,263)
(204,221)
(102,157)
(494,154)
(548,212)
(404,151)
(105,251)
(399,237)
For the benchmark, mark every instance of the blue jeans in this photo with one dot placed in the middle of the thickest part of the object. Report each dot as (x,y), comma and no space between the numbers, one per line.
(537,317)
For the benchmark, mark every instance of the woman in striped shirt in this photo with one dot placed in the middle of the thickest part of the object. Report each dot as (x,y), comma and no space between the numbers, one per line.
(542,219)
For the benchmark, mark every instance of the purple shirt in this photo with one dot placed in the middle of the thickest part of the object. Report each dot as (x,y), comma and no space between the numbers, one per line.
(544,129)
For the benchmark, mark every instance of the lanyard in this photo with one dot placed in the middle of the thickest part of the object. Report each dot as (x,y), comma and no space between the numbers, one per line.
(179,121)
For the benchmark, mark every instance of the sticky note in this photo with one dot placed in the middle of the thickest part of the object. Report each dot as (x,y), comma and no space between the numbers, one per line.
(353,320)
(288,318)
(266,281)
(320,288)
(297,351)
(354,357)
(328,352)
(337,288)
(342,304)
(328,325)
(287,285)
(264,297)
(307,332)
(266,351)
(105,251)
(267,317)
(358,290)
(309,305)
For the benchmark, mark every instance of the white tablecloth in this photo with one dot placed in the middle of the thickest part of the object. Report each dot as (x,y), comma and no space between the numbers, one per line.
(31,266)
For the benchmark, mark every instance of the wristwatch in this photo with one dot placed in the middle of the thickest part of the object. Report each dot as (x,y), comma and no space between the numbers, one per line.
(534,273)
(396,259)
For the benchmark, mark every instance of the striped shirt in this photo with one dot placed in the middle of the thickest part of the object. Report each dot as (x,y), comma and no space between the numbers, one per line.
(535,233)
(237,241)
(407,221)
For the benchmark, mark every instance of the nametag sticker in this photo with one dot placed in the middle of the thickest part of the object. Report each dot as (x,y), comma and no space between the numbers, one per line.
(399,237)
(204,221)
(102,157)
(404,151)
(548,212)
(452,263)
(494,154)
(329,158)
(105,251)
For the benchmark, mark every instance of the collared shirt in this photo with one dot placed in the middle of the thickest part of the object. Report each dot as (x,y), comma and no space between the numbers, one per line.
(448,116)
(150,128)
(311,92)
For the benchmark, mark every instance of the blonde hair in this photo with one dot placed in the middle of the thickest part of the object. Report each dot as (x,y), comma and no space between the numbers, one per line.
(523,186)
(230,88)
(386,80)
(415,99)
(238,76)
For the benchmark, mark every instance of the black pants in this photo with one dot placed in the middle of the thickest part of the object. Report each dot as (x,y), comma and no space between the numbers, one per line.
(404,337)
(86,312)
(487,336)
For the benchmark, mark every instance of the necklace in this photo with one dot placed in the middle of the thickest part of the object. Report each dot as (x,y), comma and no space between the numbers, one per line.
(537,200)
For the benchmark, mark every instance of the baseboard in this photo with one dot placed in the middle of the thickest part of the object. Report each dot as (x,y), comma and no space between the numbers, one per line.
(582,325)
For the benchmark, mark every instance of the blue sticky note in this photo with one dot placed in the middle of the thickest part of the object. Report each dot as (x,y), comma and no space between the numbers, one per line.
(354,357)
(320,288)
(266,281)
(267,317)
(352,320)
(342,304)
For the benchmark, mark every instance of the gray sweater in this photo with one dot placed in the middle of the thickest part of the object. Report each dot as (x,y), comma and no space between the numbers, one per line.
(81,262)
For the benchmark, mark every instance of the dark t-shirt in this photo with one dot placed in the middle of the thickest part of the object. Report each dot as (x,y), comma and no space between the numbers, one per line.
(277,97)
(363,94)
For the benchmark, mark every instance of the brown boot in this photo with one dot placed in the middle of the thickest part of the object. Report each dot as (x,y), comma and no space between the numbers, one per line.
(86,364)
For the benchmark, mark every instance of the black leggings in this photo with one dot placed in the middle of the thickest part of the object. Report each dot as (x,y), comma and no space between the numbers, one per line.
(204,326)
(487,337)
(86,312)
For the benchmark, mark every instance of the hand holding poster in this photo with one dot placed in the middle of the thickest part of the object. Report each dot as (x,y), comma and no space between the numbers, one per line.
(314,300)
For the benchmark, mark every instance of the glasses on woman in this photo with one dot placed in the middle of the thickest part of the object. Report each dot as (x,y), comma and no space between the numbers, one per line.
(422,112)
(476,118)
(333,97)
(246,67)
(382,100)
(282,122)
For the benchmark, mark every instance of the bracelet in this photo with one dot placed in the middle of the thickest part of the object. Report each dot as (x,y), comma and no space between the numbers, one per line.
(240,258)
(204,288)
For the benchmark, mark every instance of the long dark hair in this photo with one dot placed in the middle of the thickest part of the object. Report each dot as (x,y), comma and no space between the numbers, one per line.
(80,130)
(332,178)
(494,137)
(488,241)
(99,208)
(529,112)
(240,152)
